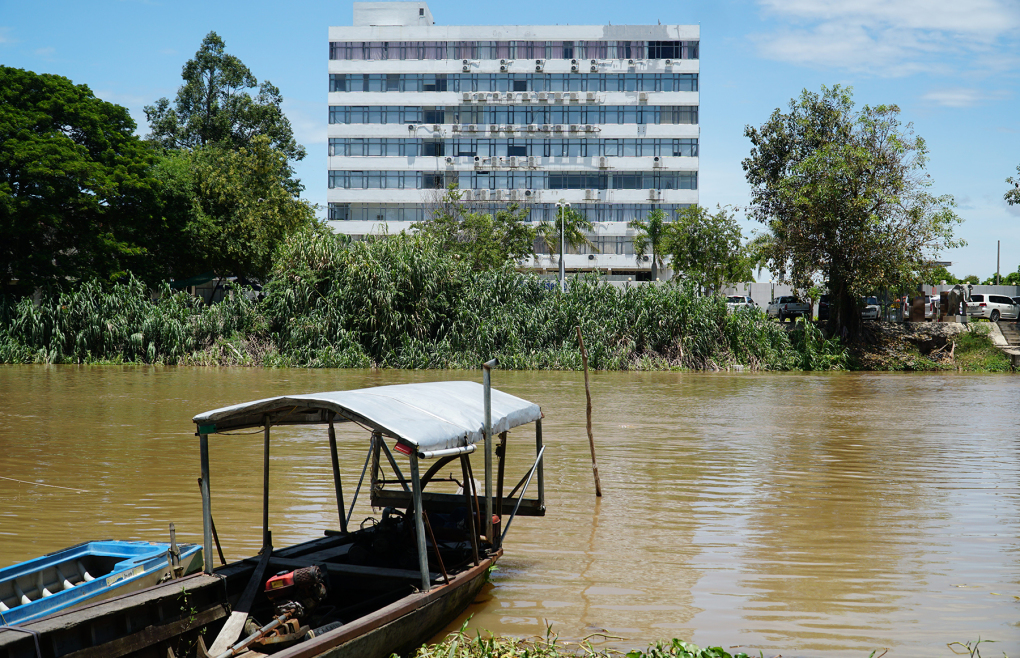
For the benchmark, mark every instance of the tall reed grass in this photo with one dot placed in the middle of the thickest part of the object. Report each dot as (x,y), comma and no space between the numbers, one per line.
(401,302)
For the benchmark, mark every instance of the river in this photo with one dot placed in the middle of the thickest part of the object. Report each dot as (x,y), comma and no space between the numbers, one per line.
(799,514)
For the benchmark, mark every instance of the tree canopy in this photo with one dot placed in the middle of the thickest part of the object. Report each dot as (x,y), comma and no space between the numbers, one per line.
(214,106)
(232,207)
(484,241)
(75,190)
(844,194)
(708,247)
(576,229)
(1012,196)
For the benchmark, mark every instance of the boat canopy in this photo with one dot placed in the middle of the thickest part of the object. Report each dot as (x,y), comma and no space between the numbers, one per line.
(430,416)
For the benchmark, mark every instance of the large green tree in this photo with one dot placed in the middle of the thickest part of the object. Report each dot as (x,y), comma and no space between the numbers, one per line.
(708,247)
(216,105)
(232,207)
(75,188)
(844,194)
(485,241)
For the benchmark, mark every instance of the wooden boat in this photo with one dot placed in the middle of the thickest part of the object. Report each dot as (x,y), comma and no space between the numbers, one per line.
(89,572)
(386,587)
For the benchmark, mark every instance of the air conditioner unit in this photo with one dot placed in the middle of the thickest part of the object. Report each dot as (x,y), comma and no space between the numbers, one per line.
(502,62)
(589,128)
(558,128)
(479,97)
(502,68)
(642,96)
(653,195)
(558,95)
(449,160)
(656,161)
(472,128)
(603,162)
(573,68)
(591,95)
(574,128)
(573,61)
(575,96)
(483,195)
(630,62)
(542,95)
(464,62)
(465,68)
(466,96)
(539,62)
(532,161)
(500,195)
(515,195)
(495,95)
(523,97)
(538,69)
(594,69)
(532,127)
(455,128)
(466,195)
(528,193)
(478,160)
(493,129)
(669,62)
(513,161)
(546,127)
(590,195)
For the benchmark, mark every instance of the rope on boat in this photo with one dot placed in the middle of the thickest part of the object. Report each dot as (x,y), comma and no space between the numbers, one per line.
(40,484)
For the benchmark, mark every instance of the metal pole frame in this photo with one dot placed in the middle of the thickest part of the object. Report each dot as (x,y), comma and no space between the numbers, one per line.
(265,485)
(419,525)
(541,464)
(487,400)
(207,547)
(338,487)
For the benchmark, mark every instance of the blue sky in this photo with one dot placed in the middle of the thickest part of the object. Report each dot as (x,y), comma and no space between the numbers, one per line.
(953,68)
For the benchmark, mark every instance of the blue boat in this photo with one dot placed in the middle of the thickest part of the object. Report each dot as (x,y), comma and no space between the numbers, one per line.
(89,572)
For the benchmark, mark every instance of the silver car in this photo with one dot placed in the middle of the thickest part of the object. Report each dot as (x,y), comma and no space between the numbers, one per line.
(871,308)
(993,307)
(737,302)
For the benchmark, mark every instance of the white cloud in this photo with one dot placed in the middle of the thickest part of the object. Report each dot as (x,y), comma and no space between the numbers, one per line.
(961,96)
(891,38)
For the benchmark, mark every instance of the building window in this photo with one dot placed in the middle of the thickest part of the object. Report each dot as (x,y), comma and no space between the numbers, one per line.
(339,212)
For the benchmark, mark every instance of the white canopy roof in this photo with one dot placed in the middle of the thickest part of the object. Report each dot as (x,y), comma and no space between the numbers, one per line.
(432,416)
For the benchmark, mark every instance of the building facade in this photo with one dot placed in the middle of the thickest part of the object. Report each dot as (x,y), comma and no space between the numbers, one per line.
(604,118)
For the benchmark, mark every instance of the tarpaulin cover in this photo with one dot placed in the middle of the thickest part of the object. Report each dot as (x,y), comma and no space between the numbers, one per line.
(431,416)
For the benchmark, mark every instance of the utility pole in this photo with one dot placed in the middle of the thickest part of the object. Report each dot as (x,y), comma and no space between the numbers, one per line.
(998,257)
(562,207)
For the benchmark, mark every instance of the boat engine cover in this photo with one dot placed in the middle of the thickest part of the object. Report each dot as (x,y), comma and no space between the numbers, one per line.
(306,586)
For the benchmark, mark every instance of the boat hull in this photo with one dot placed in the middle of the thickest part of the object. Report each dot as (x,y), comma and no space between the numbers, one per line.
(85,573)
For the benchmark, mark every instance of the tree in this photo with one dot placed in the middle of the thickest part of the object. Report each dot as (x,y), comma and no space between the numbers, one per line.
(75,192)
(214,107)
(1012,197)
(844,195)
(650,239)
(482,240)
(940,273)
(231,208)
(577,227)
(708,248)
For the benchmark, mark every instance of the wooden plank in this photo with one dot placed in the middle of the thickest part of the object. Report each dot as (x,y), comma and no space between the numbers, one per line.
(151,635)
(232,629)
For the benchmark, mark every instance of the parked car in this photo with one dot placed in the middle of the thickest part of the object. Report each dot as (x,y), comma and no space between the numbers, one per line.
(1016,300)
(931,307)
(788,306)
(871,309)
(823,308)
(737,302)
(993,307)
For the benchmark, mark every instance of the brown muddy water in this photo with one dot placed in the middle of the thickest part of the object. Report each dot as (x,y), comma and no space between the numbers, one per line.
(799,514)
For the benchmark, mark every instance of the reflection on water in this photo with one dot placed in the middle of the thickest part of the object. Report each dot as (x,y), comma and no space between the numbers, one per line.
(799,514)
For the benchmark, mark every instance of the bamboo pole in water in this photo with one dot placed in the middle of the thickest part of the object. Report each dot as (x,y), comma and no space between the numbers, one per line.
(587,392)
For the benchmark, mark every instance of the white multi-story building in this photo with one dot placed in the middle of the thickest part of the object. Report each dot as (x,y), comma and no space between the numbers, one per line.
(603,117)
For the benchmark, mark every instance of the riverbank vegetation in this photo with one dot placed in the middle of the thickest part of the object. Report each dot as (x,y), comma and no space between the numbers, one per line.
(403,302)
(461,645)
